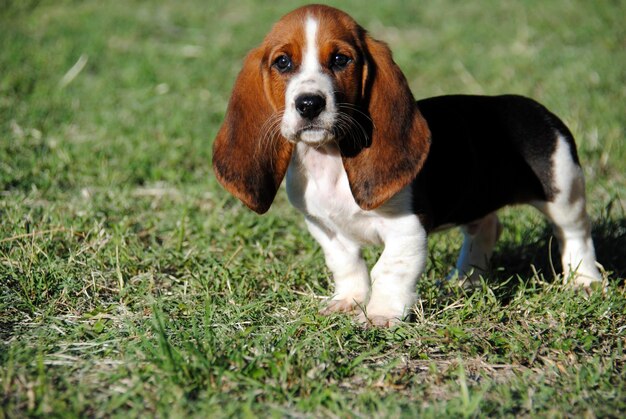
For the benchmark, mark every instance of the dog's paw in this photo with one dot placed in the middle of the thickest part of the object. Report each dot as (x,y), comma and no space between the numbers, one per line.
(586,281)
(386,310)
(368,321)
(377,315)
(468,282)
(588,284)
(341,305)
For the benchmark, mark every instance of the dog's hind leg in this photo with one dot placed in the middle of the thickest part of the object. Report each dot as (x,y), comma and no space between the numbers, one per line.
(566,210)
(479,239)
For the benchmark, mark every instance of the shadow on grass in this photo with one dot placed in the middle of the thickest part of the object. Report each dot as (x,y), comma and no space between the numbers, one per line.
(610,242)
(513,260)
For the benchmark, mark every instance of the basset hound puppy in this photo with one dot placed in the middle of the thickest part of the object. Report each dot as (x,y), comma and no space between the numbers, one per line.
(323,103)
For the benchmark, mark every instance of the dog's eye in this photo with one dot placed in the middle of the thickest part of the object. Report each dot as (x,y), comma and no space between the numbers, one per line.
(340,61)
(283,63)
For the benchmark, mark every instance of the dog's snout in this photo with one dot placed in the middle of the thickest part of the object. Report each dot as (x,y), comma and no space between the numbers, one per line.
(310,106)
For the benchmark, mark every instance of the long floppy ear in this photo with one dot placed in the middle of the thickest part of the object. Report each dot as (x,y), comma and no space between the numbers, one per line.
(399,140)
(250,157)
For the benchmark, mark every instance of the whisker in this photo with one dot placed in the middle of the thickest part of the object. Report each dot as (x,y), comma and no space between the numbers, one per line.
(269,135)
(264,134)
(355,108)
(351,128)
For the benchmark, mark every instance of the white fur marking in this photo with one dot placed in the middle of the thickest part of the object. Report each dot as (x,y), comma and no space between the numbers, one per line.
(309,80)
(317,185)
(567,212)
(310,65)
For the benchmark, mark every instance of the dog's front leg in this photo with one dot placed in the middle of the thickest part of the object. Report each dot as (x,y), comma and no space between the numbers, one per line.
(343,258)
(394,276)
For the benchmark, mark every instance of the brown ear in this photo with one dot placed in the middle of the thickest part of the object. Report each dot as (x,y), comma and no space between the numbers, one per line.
(399,140)
(250,157)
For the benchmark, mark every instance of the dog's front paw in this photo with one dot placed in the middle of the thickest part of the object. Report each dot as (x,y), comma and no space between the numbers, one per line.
(367,320)
(381,316)
(340,304)
(384,310)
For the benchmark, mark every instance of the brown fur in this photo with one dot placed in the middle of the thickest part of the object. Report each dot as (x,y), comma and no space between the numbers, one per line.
(248,164)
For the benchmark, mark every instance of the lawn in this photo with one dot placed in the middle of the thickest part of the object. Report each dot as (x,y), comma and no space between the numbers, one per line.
(132,284)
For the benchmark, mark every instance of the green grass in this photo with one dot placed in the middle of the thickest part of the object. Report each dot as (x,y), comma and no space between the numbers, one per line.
(131,284)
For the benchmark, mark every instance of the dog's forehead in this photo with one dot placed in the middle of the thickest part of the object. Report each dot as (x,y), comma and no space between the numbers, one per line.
(332,24)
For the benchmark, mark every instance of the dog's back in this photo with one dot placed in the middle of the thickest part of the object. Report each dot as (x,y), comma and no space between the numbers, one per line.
(487,152)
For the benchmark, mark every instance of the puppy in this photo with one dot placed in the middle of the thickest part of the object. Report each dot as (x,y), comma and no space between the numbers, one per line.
(323,103)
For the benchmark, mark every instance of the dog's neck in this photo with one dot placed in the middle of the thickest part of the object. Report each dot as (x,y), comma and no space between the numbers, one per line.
(322,165)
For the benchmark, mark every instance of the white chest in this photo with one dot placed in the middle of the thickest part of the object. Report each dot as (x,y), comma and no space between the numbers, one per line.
(317,185)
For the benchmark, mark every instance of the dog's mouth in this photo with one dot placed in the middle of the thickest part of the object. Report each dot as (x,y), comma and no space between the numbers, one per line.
(312,128)
(312,134)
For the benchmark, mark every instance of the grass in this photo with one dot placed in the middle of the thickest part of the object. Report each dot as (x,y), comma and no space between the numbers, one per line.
(131,284)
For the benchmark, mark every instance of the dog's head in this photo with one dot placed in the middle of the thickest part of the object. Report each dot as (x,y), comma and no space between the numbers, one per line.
(318,77)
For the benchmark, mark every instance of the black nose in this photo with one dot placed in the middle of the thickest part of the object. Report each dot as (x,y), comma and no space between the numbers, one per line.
(309,106)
